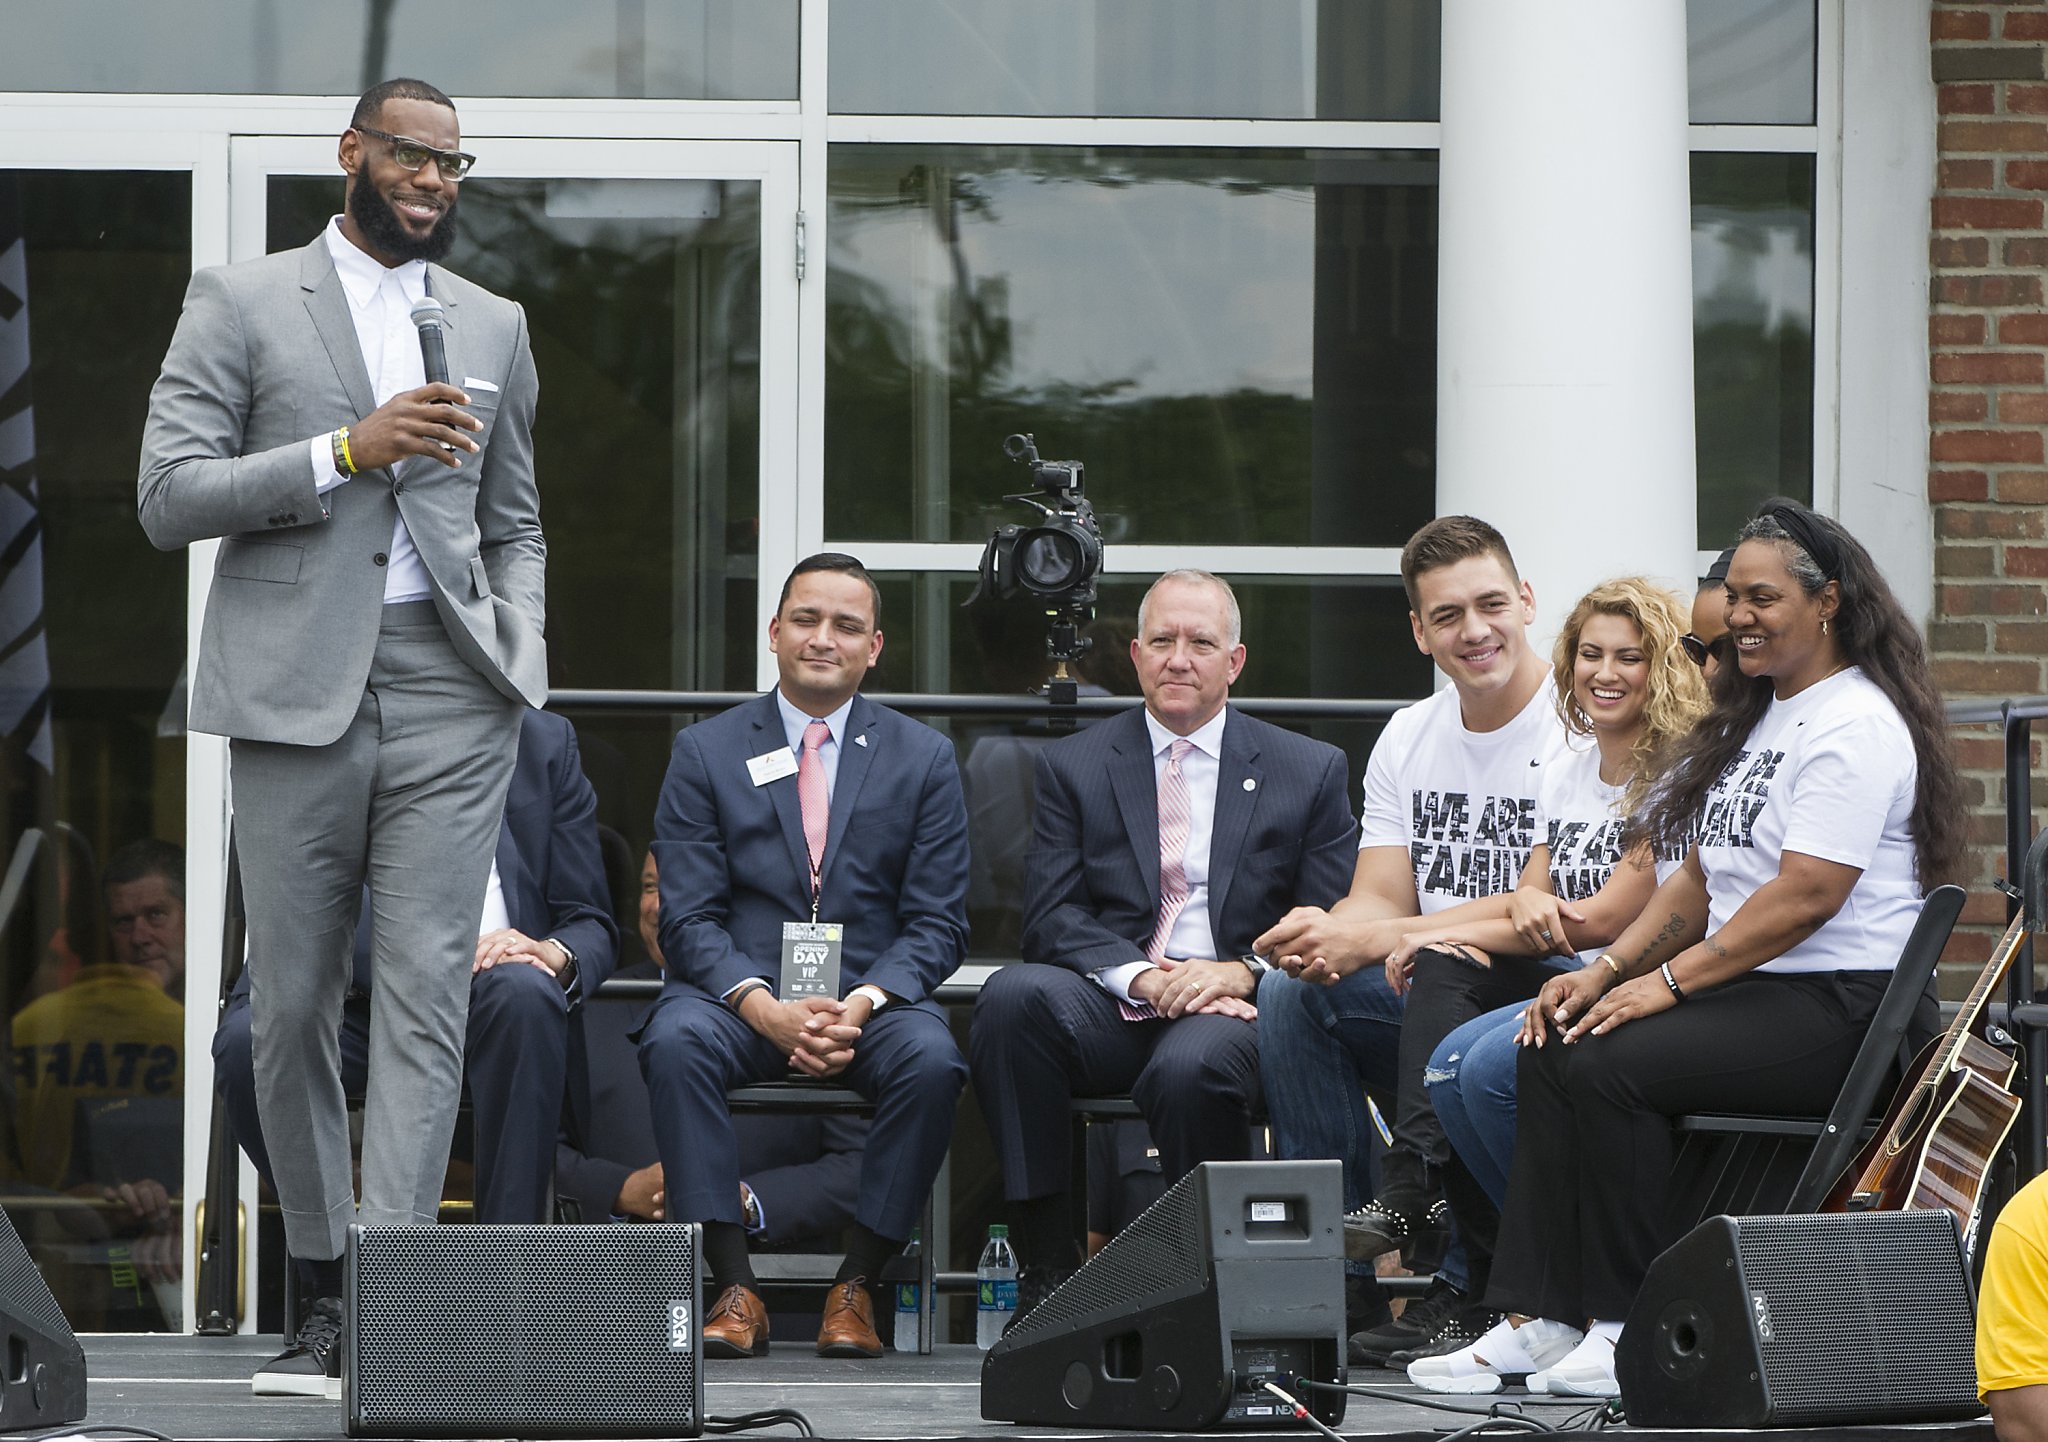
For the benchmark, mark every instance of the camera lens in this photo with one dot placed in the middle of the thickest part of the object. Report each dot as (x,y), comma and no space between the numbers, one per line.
(1049,561)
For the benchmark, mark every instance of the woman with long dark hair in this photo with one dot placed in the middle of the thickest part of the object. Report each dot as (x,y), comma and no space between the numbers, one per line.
(1818,800)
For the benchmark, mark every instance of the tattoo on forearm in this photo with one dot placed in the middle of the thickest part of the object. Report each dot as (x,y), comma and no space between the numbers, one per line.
(1716,948)
(1671,931)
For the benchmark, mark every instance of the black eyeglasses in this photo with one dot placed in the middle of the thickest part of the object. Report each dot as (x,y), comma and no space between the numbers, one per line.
(1701,651)
(412,154)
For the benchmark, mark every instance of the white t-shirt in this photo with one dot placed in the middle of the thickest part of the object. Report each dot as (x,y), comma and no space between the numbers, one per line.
(1829,773)
(1462,802)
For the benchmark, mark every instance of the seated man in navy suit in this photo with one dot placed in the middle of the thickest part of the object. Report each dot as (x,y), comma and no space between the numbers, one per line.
(799,1175)
(548,940)
(866,832)
(1163,840)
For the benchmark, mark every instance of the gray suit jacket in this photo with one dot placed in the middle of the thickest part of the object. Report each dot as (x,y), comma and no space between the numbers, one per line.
(265,357)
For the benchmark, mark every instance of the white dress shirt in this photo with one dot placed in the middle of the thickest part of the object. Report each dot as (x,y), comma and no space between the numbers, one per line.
(380,302)
(1191,935)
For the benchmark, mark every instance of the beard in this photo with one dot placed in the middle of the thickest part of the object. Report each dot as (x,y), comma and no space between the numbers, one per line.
(381,226)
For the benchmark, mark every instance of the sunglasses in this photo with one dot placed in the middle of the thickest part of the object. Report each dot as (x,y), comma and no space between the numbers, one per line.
(412,154)
(1701,651)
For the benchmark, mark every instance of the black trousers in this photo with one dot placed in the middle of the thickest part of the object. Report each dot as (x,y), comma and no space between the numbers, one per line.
(1043,1034)
(1588,1204)
(1445,991)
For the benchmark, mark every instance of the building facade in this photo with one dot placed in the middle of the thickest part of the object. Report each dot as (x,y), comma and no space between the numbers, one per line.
(1289,276)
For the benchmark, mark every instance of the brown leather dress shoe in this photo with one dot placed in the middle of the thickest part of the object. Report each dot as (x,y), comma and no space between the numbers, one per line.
(848,1328)
(737,1326)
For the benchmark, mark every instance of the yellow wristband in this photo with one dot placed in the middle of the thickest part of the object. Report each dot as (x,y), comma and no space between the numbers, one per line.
(341,452)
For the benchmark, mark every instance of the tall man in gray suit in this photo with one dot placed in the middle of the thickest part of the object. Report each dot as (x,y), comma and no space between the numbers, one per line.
(373,629)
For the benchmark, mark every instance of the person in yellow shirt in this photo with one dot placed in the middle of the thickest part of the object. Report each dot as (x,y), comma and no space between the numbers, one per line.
(2012,1318)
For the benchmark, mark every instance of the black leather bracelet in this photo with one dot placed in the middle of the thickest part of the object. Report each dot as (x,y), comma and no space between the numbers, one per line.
(1671,981)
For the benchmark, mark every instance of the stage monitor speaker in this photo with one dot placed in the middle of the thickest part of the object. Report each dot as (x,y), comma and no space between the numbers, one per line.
(1234,1277)
(529,1331)
(42,1374)
(1803,1321)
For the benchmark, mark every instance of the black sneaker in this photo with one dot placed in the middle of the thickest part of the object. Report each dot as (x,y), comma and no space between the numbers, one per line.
(311,1365)
(1463,1325)
(1034,1285)
(1418,1321)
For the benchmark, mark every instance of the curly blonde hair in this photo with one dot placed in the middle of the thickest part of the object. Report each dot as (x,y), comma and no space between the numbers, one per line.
(1678,692)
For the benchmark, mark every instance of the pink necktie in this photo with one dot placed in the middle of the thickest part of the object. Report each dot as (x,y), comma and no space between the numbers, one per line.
(810,796)
(1173,875)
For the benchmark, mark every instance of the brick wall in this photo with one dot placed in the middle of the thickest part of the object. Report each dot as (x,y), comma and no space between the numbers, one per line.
(1988,405)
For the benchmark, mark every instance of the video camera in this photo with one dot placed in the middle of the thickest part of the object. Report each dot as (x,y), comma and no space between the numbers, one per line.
(1055,562)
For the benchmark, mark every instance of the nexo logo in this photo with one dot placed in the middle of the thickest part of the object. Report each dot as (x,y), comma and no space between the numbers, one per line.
(1761,1306)
(679,1326)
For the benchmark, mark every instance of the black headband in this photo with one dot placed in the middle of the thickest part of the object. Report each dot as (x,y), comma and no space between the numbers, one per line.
(1804,527)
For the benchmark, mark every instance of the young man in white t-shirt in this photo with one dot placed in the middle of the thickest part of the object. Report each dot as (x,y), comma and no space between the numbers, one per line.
(1450,815)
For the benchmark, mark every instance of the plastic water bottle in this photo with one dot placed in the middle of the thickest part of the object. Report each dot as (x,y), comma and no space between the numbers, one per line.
(907,1298)
(995,1288)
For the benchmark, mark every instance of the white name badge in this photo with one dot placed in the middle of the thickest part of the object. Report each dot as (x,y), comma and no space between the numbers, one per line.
(771,765)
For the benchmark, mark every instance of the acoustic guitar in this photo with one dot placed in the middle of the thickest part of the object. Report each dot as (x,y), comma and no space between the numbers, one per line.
(1937,1142)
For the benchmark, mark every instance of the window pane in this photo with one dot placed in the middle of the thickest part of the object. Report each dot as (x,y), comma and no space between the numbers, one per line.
(1240,345)
(1264,59)
(1750,62)
(93,268)
(1752,280)
(666,49)
(644,301)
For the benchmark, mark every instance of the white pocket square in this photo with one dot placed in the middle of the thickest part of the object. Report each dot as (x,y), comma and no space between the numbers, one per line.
(471,383)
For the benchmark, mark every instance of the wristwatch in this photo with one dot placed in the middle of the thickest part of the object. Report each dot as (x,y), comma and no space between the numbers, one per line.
(567,975)
(1255,964)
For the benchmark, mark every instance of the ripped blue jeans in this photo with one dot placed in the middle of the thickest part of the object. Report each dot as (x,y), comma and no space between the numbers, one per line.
(1471,1082)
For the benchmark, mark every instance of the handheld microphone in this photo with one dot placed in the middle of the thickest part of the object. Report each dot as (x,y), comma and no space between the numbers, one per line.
(430,318)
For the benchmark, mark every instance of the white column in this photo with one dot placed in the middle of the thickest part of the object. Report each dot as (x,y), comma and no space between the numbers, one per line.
(1888,124)
(1564,310)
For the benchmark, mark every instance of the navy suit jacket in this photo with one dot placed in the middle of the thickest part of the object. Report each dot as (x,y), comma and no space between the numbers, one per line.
(1283,836)
(734,866)
(548,861)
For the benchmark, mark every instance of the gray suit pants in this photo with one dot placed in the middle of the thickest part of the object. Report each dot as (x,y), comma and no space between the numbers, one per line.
(409,799)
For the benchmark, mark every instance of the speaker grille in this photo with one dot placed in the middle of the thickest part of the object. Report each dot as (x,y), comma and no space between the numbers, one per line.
(1835,1293)
(553,1331)
(1158,1253)
(21,1283)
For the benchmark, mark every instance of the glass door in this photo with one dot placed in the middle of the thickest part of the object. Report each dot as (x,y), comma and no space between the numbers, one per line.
(660,287)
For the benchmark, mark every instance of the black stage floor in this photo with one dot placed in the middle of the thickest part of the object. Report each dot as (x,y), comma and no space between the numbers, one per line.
(193,1388)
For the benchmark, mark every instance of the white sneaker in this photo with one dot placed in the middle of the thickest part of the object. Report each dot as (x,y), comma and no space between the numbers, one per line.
(1587,1372)
(1504,1352)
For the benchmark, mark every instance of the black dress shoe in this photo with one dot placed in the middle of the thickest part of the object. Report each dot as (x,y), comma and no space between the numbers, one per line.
(311,1365)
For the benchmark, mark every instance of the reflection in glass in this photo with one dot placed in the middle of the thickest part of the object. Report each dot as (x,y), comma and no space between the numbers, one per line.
(1306,60)
(1752,278)
(1239,344)
(643,297)
(1750,62)
(93,267)
(625,49)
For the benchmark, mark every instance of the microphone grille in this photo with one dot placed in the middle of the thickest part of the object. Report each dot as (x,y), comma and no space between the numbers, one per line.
(427,312)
